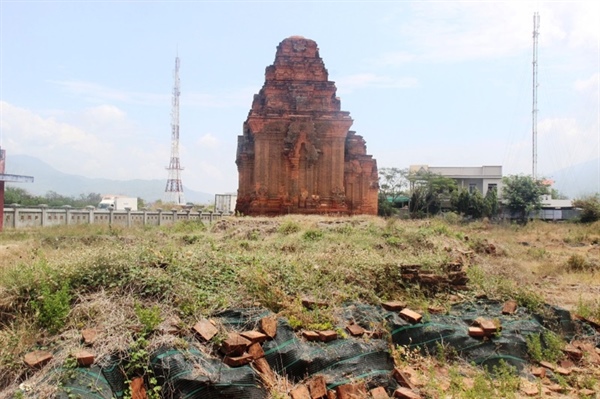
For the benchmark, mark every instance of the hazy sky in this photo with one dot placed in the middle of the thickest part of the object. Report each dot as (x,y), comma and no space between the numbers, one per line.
(86,85)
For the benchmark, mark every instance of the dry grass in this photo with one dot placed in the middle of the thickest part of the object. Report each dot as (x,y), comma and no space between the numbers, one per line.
(188,271)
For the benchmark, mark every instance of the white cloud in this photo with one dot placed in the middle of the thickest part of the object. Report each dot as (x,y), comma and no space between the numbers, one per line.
(208,141)
(350,83)
(590,84)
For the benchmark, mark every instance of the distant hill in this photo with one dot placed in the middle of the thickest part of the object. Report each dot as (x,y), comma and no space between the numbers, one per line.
(578,180)
(46,178)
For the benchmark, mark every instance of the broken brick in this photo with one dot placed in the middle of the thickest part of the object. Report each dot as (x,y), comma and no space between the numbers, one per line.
(488,326)
(476,332)
(268,325)
(138,390)
(406,393)
(562,371)
(317,387)
(410,315)
(547,365)
(266,373)
(311,335)
(254,336)
(586,392)
(436,309)
(331,394)
(234,345)
(572,352)
(379,393)
(300,392)
(205,330)
(84,358)
(37,359)
(327,335)
(402,378)
(530,391)
(394,306)
(256,351)
(89,336)
(351,391)
(509,307)
(355,330)
(236,361)
(539,372)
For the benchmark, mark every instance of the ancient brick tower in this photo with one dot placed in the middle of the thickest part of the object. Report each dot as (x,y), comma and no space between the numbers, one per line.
(296,154)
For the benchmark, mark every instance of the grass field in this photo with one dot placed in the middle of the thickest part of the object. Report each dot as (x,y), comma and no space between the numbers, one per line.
(54,282)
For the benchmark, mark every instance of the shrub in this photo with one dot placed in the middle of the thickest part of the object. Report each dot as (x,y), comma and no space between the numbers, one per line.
(590,208)
(52,307)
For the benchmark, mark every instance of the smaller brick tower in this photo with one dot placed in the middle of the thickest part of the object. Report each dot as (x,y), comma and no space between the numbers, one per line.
(297,154)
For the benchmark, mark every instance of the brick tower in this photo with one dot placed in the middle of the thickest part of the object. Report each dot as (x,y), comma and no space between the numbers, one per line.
(297,154)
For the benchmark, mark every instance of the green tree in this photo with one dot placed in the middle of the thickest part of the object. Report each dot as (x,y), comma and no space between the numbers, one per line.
(522,195)
(393,183)
(490,203)
(430,193)
(590,208)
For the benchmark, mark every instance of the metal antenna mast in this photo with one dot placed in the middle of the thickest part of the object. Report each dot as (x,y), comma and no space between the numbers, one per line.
(174,188)
(536,26)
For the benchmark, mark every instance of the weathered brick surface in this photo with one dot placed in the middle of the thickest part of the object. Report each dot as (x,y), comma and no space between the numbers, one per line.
(317,387)
(355,330)
(311,335)
(488,326)
(530,391)
(300,392)
(351,391)
(573,353)
(476,332)
(394,306)
(256,351)
(254,336)
(234,345)
(89,336)
(138,390)
(236,361)
(547,365)
(205,330)
(379,393)
(410,316)
(37,359)
(539,372)
(84,358)
(296,153)
(268,325)
(509,307)
(331,394)
(327,335)
(406,393)
(402,378)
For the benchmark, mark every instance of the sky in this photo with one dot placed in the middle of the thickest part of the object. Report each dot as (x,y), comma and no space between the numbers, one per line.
(86,85)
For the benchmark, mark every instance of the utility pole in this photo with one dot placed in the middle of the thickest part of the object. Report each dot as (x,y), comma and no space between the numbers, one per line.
(174,188)
(534,112)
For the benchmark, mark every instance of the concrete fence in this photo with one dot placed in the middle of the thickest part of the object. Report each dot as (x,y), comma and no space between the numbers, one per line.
(17,217)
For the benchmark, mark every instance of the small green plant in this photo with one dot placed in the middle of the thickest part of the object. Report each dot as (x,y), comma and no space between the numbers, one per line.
(506,379)
(578,263)
(149,317)
(545,347)
(288,227)
(138,365)
(52,307)
(312,235)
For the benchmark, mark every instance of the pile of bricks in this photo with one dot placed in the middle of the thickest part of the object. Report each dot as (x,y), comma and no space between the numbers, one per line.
(453,277)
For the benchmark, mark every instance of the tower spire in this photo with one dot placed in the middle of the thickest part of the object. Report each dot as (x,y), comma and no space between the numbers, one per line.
(174,188)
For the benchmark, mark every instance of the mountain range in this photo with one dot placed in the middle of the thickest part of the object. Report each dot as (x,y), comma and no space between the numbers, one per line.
(47,178)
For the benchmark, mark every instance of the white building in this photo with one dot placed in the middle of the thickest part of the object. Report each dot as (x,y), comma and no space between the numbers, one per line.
(481,178)
(225,202)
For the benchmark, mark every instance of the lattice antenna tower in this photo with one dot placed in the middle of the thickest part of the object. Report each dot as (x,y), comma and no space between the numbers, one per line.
(174,188)
(534,112)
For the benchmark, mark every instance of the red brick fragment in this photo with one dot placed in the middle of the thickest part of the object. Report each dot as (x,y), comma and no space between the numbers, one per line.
(562,371)
(406,393)
(566,363)
(331,394)
(585,392)
(254,336)
(488,326)
(402,378)
(530,391)
(234,345)
(268,325)
(351,391)
(379,393)
(394,306)
(436,310)
(555,388)
(311,335)
(236,361)
(317,387)
(37,359)
(327,335)
(476,332)
(510,307)
(539,372)
(410,316)
(138,390)
(89,336)
(84,358)
(256,351)
(355,330)
(266,373)
(572,352)
(205,330)
(300,392)
(547,365)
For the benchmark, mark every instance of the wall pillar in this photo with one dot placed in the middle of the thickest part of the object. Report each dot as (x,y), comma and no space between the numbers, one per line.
(128,210)
(16,218)
(110,217)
